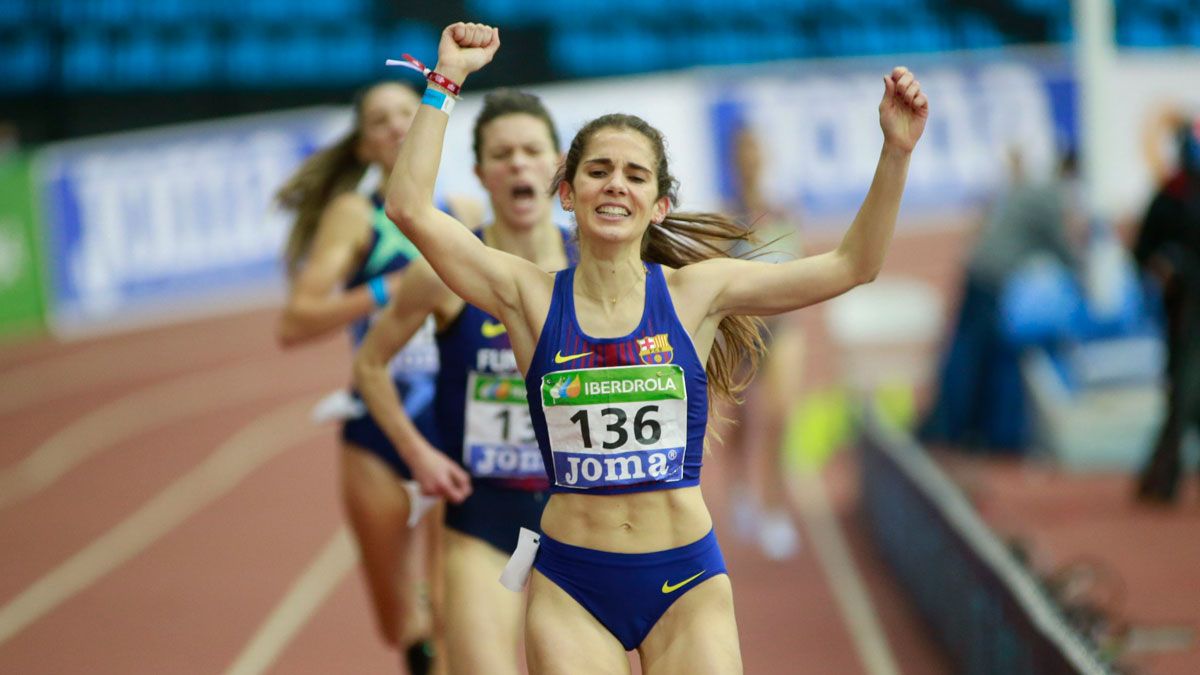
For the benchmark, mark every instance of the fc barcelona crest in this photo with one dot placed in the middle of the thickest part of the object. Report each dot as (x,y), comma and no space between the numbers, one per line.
(655,350)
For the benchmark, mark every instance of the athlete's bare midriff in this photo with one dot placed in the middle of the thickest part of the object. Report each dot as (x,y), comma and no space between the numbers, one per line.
(640,522)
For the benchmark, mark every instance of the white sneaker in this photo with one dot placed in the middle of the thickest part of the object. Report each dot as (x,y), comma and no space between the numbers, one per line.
(777,536)
(745,512)
(338,406)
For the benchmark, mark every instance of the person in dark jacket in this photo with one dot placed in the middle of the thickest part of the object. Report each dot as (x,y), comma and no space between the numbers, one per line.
(1168,248)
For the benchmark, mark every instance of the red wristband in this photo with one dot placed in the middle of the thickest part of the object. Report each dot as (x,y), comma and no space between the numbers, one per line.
(431,75)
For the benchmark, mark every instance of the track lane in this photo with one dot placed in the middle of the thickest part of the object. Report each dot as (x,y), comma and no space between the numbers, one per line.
(192,600)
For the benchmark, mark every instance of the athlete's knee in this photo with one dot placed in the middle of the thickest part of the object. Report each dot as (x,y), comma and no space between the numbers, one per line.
(483,658)
(728,663)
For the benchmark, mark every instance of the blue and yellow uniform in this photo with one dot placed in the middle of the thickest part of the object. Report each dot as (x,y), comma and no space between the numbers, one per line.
(483,423)
(618,416)
(413,368)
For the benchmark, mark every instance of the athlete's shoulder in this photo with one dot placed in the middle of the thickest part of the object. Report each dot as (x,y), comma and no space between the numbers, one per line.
(465,209)
(345,222)
(697,272)
(350,203)
(349,213)
(697,285)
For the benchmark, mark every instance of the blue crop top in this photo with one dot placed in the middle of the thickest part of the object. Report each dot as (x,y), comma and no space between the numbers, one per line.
(618,415)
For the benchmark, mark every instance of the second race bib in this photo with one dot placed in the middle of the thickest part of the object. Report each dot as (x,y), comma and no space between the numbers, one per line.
(498,439)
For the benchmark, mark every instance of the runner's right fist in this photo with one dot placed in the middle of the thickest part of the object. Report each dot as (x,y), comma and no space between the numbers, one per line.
(465,48)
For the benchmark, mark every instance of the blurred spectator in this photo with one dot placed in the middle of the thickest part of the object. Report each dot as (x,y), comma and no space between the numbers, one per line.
(1159,141)
(980,403)
(1168,247)
(755,440)
(10,138)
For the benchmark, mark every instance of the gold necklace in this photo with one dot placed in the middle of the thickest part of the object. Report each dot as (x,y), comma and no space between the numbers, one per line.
(617,297)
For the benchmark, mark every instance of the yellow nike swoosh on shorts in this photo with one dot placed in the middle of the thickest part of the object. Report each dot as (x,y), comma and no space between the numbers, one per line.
(671,588)
(491,330)
(559,358)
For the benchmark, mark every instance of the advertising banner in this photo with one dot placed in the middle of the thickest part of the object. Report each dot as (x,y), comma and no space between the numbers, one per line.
(21,299)
(174,222)
(818,127)
(179,221)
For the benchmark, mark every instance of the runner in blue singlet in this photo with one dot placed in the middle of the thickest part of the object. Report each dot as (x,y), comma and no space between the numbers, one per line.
(616,353)
(481,416)
(345,259)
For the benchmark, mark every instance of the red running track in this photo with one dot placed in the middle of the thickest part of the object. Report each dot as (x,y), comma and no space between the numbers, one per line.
(167,506)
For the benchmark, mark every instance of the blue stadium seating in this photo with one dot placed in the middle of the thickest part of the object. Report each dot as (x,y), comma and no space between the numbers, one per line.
(1191,29)
(15,13)
(25,61)
(135,63)
(248,59)
(976,32)
(349,53)
(124,44)
(1142,31)
(85,60)
(191,59)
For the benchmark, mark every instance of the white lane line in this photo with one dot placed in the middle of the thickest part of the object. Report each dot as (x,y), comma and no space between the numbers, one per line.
(56,374)
(807,492)
(220,472)
(300,603)
(136,413)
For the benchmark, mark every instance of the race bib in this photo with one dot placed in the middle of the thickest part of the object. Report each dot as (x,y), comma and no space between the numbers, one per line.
(420,354)
(498,439)
(616,426)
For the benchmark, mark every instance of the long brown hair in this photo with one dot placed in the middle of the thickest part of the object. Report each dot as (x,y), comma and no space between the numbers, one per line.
(327,173)
(682,239)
